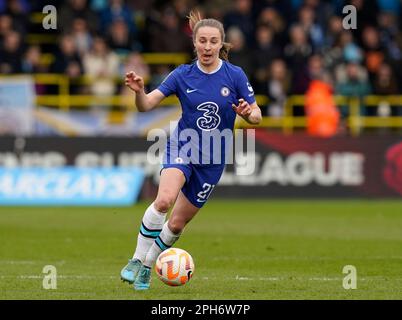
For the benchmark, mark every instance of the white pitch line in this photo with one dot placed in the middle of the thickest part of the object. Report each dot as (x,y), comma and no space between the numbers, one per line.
(304,258)
(60,277)
(70,277)
(310,258)
(307,279)
(237,278)
(17,262)
(59,263)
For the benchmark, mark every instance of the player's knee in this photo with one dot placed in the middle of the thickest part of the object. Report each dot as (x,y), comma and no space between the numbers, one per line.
(176,225)
(163,203)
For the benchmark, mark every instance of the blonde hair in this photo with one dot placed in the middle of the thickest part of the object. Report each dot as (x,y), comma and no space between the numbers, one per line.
(195,22)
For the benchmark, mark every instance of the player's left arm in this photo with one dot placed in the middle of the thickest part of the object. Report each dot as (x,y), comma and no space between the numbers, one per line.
(249,112)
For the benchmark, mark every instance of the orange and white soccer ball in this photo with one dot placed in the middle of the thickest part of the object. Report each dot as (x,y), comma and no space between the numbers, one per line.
(174,266)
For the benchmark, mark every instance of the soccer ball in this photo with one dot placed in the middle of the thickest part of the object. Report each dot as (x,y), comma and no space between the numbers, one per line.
(174,266)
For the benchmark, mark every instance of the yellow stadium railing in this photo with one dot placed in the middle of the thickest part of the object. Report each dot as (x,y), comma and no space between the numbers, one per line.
(166,58)
(174,59)
(287,123)
(355,121)
(375,122)
(66,102)
(41,38)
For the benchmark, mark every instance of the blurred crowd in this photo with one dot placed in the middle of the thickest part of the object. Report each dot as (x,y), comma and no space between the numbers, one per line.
(282,45)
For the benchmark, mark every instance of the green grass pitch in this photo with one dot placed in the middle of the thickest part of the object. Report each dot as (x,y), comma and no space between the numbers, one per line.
(265,249)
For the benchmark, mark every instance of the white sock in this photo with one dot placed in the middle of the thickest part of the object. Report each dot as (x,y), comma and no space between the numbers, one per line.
(164,241)
(151,226)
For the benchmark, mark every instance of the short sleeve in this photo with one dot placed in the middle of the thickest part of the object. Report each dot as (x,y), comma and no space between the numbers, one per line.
(169,84)
(244,88)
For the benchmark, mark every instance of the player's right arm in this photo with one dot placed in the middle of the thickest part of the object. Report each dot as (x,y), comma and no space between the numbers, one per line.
(143,101)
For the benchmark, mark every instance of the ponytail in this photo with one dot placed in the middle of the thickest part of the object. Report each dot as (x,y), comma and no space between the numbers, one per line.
(224,52)
(193,18)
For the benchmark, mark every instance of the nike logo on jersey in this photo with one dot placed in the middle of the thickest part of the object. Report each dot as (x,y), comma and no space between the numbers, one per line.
(199,200)
(191,90)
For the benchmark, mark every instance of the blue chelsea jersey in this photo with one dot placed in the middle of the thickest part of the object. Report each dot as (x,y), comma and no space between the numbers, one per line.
(206,98)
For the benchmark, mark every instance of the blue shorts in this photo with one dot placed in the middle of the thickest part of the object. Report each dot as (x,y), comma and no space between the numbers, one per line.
(200,180)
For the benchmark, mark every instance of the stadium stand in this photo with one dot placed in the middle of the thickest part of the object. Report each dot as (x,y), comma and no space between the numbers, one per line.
(285,47)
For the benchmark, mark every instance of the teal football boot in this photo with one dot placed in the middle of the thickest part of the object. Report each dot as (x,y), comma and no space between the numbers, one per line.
(143,280)
(130,271)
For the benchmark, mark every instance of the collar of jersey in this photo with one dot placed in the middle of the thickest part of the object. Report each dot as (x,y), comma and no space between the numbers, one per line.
(213,71)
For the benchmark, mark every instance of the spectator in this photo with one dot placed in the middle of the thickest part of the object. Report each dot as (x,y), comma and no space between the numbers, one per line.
(354,85)
(270,17)
(395,59)
(321,112)
(323,10)
(281,7)
(366,14)
(341,71)
(77,9)
(68,61)
(278,86)
(296,54)
(311,28)
(264,53)
(373,50)
(298,47)
(333,48)
(334,30)
(385,84)
(239,53)
(390,37)
(385,81)
(11,53)
(316,69)
(344,52)
(163,33)
(182,9)
(350,50)
(241,17)
(103,65)
(387,27)
(6,26)
(18,10)
(81,36)
(31,62)
(120,39)
(117,10)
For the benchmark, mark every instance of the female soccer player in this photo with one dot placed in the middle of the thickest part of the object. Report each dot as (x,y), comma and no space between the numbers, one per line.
(211,92)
